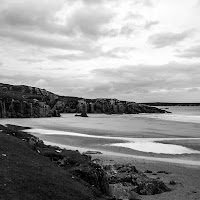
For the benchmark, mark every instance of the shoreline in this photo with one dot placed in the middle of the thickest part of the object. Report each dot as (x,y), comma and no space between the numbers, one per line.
(124,155)
(185,175)
(99,136)
(102,143)
(102,124)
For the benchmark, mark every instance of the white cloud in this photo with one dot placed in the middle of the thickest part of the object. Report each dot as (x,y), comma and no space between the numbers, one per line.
(192,52)
(79,45)
(160,40)
(89,21)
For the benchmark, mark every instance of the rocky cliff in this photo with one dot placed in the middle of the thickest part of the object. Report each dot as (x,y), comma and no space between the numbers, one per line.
(26,101)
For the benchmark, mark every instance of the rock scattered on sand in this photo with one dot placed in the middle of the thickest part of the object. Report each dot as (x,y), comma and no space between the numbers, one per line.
(92,152)
(126,182)
(163,172)
(172,182)
(148,171)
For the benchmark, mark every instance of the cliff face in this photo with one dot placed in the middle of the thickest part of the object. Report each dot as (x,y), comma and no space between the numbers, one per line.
(26,101)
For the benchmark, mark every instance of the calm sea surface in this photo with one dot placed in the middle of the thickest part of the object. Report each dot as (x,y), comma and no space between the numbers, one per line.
(142,133)
(179,113)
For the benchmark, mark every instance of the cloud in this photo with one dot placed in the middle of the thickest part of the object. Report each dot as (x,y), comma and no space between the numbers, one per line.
(55,24)
(148,78)
(89,21)
(31,15)
(129,82)
(92,2)
(192,52)
(132,16)
(127,29)
(161,40)
(73,57)
(149,24)
(118,52)
(31,60)
(147,3)
(193,89)
(46,40)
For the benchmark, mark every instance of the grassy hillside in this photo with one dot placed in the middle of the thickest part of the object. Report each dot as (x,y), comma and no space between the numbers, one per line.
(27,175)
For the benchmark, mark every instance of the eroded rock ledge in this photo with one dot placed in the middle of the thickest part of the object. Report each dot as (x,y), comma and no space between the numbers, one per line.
(103,181)
(19,101)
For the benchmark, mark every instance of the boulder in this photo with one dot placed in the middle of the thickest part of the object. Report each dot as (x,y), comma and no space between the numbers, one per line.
(123,192)
(94,175)
(92,152)
(128,178)
(35,142)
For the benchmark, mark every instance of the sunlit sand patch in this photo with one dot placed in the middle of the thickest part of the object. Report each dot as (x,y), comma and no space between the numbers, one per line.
(158,148)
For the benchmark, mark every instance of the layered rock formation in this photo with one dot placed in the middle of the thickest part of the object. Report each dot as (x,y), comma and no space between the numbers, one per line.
(26,101)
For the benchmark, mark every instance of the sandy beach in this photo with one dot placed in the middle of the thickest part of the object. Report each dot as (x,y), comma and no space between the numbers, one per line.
(102,132)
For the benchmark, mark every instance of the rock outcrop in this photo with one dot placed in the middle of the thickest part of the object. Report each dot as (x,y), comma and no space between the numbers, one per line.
(126,182)
(25,101)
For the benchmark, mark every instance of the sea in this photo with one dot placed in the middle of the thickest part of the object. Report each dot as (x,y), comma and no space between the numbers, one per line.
(179,113)
(157,135)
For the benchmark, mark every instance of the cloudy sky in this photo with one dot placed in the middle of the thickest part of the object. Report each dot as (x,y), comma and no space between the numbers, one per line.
(138,50)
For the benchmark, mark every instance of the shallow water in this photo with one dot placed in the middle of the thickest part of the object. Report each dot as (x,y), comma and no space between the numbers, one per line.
(137,132)
(138,144)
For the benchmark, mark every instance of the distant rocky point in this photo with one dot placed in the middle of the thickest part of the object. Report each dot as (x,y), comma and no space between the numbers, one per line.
(21,101)
(171,104)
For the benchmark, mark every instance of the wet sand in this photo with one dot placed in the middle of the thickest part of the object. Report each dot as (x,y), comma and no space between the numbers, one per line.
(101,131)
(113,125)
(184,168)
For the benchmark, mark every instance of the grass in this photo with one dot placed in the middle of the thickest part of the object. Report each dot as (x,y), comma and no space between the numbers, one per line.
(28,175)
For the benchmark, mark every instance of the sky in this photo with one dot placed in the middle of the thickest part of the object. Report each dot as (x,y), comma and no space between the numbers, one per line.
(134,50)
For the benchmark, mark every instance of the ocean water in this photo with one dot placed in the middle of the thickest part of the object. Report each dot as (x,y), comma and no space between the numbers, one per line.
(141,132)
(179,113)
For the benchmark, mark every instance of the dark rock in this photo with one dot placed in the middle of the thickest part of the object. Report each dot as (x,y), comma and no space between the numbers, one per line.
(54,156)
(163,172)
(148,186)
(35,142)
(125,168)
(123,192)
(148,171)
(172,182)
(81,115)
(84,115)
(97,161)
(132,179)
(92,152)
(94,175)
